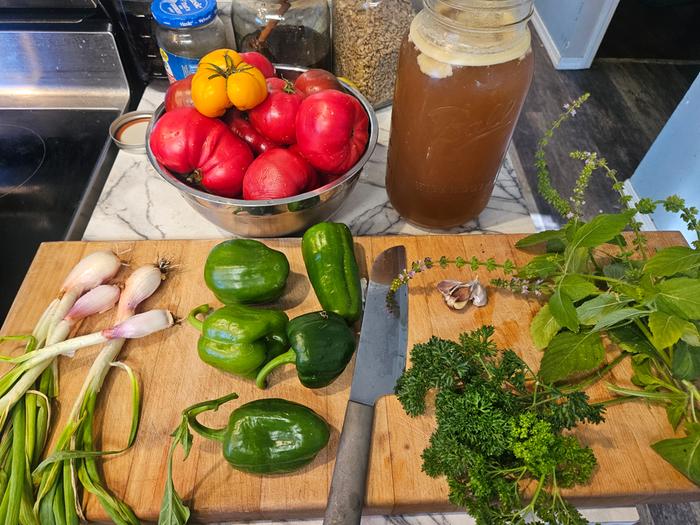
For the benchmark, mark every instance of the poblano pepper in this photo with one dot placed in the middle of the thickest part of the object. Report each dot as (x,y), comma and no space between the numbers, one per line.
(245,271)
(322,345)
(239,339)
(267,436)
(330,262)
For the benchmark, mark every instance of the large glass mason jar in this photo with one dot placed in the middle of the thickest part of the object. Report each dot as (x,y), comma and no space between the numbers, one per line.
(464,70)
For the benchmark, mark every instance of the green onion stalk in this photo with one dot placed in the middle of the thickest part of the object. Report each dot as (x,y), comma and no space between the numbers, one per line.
(34,400)
(16,503)
(73,461)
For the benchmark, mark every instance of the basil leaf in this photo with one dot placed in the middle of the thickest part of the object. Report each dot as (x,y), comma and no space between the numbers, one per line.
(617,316)
(691,335)
(569,354)
(667,329)
(540,266)
(563,310)
(680,296)
(577,287)
(556,245)
(686,361)
(601,229)
(173,511)
(642,374)
(618,240)
(632,340)
(683,453)
(577,261)
(543,327)
(615,270)
(675,413)
(539,238)
(590,312)
(673,260)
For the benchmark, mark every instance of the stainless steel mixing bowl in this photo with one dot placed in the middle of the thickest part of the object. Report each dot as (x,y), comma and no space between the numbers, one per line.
(273,217)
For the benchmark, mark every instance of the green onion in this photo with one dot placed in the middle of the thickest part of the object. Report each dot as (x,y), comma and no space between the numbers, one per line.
(74,447)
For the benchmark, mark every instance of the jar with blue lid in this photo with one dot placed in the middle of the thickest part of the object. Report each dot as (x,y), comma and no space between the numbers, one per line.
(186,31)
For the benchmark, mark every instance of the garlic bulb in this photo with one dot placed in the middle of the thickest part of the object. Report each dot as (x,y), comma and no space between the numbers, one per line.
(458,294)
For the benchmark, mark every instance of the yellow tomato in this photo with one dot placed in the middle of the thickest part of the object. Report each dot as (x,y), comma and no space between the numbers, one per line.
(246,87)
(219,59)
(209,93)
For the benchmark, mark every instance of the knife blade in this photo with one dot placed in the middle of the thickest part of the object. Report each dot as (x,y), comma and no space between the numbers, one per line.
(381,358)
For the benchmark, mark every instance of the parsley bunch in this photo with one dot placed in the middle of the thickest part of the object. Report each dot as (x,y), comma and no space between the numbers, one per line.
(499,430)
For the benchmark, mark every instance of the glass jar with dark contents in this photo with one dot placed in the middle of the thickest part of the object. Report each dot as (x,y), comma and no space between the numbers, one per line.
(295,32)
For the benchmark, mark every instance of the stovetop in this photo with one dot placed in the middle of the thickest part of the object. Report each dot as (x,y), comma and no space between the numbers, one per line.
(47,157)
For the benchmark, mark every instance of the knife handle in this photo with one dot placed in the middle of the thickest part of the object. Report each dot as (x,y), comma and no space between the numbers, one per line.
(347,494)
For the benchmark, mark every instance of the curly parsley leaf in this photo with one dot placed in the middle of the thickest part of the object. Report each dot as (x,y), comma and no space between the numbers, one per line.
(498,425)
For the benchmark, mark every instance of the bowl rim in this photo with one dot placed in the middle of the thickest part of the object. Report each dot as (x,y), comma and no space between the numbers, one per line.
(352,172)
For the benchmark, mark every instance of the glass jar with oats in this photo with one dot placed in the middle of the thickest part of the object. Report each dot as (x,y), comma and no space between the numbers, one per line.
(464,71)
(367,36)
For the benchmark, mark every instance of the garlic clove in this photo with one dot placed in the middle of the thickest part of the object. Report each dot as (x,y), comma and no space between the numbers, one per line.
(478,295)
(446,287)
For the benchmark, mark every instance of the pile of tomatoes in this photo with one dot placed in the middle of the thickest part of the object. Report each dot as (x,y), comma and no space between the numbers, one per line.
(236,130)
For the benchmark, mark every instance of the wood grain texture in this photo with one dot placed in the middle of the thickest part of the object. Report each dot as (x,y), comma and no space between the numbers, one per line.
(173,377)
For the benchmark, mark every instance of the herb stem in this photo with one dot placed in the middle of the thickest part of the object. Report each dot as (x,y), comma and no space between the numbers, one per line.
(614,401)
(694,396)
(603,278)
(596,376)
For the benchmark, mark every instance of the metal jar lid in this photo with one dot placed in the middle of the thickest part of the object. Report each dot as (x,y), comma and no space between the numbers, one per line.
(183,13)
(129,131)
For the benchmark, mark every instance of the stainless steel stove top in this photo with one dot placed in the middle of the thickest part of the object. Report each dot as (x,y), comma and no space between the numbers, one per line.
(59,92)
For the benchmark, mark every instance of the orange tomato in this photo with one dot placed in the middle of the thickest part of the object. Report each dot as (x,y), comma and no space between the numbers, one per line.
(246,87)
(209,82)
(219,59)
(209,93)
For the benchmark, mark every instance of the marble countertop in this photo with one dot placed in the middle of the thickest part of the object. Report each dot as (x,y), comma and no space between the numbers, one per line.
(136,203)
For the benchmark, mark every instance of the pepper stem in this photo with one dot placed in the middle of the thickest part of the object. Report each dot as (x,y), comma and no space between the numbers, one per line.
(290,356)
(202,309)
(217,434)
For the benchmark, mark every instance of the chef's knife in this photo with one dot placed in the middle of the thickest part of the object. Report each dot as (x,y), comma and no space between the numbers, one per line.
(381,358)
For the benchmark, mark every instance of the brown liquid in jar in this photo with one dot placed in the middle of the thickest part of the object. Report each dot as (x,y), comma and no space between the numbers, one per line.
(449,137)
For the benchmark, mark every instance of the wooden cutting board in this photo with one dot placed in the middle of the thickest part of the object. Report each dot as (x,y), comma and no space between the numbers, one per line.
(173,377)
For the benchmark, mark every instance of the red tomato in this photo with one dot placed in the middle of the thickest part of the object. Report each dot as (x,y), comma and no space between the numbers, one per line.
(187,142)
(245,130)
(179,94)
(275,117)
(315,80)
(332,131)
(276,174)
(260,61)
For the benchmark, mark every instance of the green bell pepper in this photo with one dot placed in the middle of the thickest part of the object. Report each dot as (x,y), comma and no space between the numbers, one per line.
(239,339)
(265,436)
(245,271)
(330,262)
(322,345)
